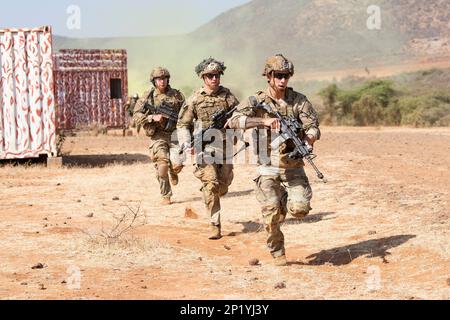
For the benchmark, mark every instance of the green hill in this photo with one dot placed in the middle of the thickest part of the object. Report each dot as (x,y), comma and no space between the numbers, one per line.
(315,34)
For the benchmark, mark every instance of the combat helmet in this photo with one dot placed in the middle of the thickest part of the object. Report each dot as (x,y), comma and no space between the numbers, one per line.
(159,72)
(278,63)
(209,66)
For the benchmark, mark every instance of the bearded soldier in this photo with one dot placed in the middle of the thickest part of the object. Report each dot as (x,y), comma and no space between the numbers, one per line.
(155,126)
(200,109)
(282,186)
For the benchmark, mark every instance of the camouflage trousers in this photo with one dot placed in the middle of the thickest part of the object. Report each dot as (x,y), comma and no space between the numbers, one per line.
(278,195)
(216,178)
(160,154)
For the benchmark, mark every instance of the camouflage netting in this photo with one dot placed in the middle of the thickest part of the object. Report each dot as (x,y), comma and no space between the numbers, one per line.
(209,66)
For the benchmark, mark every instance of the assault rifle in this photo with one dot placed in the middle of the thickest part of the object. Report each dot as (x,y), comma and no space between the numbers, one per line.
(219,119)
(290,129)
(166,111)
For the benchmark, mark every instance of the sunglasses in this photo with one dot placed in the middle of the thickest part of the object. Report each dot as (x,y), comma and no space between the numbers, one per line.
(212,75)
(280,76)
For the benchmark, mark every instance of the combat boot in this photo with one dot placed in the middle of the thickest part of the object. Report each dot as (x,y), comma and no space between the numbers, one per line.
(166,202)
(173,178)
(280,261)
(215,233)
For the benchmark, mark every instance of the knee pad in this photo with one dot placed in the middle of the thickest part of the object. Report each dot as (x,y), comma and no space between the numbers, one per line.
(299,210)
(162,168)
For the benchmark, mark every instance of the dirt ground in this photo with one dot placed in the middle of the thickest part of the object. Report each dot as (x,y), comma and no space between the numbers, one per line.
(379,228)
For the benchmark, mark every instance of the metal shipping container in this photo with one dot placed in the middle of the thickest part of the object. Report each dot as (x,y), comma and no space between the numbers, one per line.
(27,109)
(91,88)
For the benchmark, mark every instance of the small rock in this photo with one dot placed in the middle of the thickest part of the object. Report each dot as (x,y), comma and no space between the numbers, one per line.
(45,219)
(448,281)
(144,287)
(254,262)
(78,201)
(116,199)
(200,259)
(63,282)
(38,266)
(69,218)
(178,242)
(190,214)
(58,184)
(280,285)
(24,283)
(42,287)
(371,233)
(227,247)
(90,215)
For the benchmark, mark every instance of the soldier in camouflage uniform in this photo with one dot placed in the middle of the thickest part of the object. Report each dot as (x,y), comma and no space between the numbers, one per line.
(129,108)
(282,186)
(199,108)
(154,125)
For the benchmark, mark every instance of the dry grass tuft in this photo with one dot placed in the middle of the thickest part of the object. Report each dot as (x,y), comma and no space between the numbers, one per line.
(118,232)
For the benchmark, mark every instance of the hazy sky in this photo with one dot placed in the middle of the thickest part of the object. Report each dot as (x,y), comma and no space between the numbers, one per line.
(106,18)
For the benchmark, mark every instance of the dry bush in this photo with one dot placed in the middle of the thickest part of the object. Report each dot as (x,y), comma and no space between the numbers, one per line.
(118,233)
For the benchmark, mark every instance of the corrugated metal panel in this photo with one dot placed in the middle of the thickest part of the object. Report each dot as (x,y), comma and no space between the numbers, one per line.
(27,108)
(83,88)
